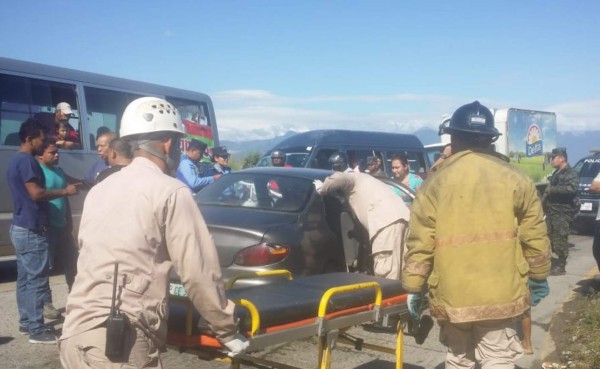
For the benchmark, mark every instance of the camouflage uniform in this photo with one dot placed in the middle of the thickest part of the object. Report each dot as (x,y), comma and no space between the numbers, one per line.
(559,205)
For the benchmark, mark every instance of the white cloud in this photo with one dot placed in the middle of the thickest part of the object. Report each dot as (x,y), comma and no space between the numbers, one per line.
(256,114)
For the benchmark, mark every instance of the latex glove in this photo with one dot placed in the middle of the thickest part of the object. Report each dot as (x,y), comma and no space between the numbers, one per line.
(538,290)
(414,302)
(318,184)
(237,346)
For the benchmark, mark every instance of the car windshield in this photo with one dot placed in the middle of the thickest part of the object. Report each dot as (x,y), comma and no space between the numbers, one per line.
(258,191)
(588,167)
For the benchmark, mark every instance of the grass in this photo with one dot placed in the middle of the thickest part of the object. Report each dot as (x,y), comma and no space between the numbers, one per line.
(534,167)
(582,344)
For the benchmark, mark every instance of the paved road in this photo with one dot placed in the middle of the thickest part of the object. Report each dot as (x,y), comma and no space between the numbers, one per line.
(16,352)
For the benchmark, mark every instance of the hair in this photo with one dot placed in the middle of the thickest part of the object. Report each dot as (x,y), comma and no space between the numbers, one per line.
(121,147)
(468,140)
(33,128)
(102,130)
(49,142)
(197,145)
(110,135)
(400,156)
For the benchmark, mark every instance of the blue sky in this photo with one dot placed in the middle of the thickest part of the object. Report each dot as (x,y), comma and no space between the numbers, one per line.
(271,66)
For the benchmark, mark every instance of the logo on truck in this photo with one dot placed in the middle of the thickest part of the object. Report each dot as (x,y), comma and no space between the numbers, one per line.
(535,145)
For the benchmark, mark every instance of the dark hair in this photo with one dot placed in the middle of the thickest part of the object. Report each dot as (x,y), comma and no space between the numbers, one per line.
(400,156)
(121,147)
(197,145)
(49,141)
(33,128)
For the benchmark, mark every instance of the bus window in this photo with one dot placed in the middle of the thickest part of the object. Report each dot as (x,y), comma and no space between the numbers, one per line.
(104,110)
(23,97)
(196,121)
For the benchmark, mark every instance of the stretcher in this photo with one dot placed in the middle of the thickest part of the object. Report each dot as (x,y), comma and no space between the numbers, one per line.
(322,306)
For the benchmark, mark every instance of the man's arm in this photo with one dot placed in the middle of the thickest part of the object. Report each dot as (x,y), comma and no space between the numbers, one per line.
(39,193)
(341,183)
(187,173)
(420,244)
(532,233)
(567,185)
(195,260)
(595,187)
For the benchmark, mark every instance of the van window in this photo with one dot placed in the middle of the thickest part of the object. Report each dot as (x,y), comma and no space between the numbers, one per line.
(23,97)
(321,159)
(416,161)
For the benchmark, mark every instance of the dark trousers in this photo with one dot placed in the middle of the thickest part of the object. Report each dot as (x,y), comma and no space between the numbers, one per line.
(559,228)
(63,253)
(596,246)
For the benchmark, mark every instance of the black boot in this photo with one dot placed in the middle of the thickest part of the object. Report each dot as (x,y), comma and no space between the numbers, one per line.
(558,270)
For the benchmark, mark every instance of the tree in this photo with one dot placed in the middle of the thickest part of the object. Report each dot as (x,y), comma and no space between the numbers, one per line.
(251,159)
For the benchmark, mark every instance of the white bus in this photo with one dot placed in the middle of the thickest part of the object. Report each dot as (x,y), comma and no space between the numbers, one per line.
(33,90)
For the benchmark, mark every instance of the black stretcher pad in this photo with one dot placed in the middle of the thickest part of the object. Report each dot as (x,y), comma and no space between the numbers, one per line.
(291,301)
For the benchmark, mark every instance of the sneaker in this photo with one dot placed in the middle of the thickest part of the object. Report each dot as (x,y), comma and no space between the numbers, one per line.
(558,270)
(50,312)
(45,337)
(24,331)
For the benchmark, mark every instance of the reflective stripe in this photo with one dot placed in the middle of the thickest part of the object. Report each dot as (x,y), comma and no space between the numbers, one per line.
(475,238)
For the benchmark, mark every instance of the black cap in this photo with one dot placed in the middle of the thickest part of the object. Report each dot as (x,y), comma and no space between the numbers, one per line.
(220,151)
(562,151)
(197,144)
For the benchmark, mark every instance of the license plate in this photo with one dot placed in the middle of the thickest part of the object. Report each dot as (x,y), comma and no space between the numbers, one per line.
(586,206)
(175,289)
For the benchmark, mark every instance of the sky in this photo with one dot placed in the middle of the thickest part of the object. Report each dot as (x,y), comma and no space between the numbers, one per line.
(279,65)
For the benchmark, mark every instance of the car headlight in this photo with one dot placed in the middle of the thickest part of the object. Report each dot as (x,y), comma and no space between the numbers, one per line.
(261,254)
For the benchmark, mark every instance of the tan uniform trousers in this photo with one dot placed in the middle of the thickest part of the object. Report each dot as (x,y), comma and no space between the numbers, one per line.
(86,351)
(494,344)
(388,250)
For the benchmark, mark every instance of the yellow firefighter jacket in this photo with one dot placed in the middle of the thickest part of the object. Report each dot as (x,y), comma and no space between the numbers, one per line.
(477,234)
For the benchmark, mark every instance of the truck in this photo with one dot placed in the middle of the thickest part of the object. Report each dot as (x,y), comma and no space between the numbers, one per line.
(528,137)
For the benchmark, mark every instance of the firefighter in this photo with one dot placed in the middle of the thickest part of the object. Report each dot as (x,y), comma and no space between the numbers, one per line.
(478,241)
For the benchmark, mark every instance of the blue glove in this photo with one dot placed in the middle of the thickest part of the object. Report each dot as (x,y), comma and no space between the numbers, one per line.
(414,302)
(538,290)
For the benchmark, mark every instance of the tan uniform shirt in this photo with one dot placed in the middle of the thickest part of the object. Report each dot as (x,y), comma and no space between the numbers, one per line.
(147,222)
(373,202)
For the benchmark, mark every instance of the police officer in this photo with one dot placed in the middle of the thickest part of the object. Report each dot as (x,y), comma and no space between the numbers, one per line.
(477,238)
(147,222)
(559,205)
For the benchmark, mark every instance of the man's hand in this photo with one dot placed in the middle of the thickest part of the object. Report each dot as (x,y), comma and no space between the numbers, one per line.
(318,184)
(71,190)
(237,346)
(538,290)
(414,302)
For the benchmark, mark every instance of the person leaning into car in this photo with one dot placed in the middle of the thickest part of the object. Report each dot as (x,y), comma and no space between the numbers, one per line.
(379,210)
(146,222)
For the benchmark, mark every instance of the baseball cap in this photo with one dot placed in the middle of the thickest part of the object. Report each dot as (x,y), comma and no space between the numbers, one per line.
(562,151)
(220,151)
(64,107)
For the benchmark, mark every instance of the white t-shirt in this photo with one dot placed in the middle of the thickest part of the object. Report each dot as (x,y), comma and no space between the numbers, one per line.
(597,179)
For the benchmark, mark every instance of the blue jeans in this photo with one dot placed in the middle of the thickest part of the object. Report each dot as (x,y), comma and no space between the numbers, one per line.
(32,276)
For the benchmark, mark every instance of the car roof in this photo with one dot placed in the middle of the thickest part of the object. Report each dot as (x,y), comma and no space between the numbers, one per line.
(308,173)
(351,138)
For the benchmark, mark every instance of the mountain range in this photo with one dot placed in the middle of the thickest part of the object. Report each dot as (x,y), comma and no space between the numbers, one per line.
(578,144)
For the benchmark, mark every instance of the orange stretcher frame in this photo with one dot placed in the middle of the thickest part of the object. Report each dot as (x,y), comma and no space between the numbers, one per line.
(328,327)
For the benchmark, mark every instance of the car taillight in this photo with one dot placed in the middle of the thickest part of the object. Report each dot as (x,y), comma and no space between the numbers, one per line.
(261,254)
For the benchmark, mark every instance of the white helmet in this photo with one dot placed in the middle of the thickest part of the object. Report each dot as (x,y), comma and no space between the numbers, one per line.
(150,114)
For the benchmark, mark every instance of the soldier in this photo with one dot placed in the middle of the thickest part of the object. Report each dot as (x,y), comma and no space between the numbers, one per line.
(478,239)
(559,205)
